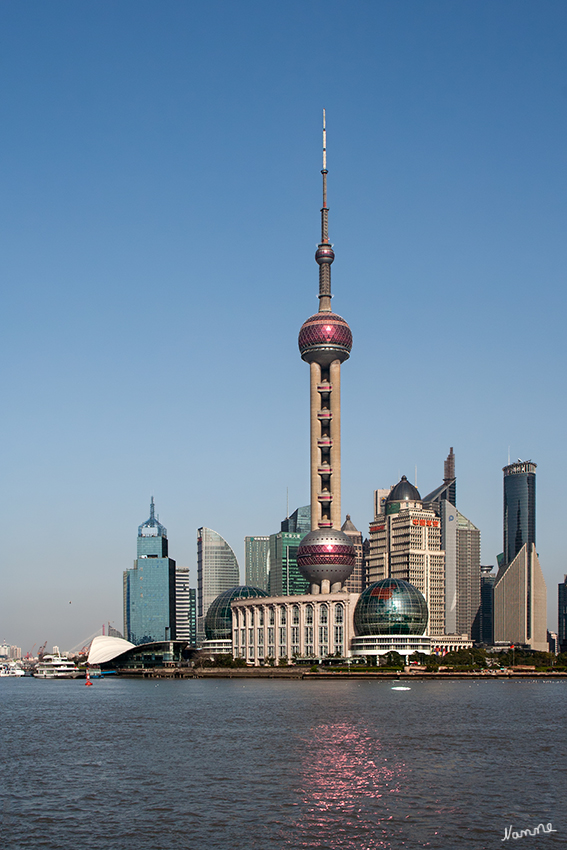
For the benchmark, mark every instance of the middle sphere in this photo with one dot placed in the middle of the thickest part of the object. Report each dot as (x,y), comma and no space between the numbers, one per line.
(326,553)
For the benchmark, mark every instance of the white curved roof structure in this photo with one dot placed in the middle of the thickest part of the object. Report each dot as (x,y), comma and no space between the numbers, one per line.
(105,648)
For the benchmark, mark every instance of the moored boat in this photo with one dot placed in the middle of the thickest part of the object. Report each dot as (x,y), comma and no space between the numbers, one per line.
(56,667)
(11,669)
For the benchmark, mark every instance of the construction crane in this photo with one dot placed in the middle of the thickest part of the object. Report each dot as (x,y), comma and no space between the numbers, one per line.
(41,651)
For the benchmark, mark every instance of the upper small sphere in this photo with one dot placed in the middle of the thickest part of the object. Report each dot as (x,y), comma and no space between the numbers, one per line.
(403,492)
(325,337)
(391,607)
(326,553)
(218,622)
(324,254)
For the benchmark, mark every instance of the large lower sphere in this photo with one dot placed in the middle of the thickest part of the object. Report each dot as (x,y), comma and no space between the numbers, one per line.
(326,554)
(391,607)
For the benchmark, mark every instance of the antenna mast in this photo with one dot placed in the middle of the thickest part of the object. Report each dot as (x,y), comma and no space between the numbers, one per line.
(325,254)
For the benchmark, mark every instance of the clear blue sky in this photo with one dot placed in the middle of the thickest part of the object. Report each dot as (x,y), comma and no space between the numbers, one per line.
(161,195)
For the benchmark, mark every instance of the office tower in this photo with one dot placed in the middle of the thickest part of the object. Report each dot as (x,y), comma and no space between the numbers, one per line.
(460,540)
(326,555)
(520,602)
(285,578)
(562,615)
(483,625)
(192,616)
(299,521)
(520,595)
(356,582)
(257,561)
(149,588)
(405,543)
(519,508)
(553,643)
(182,604)
(217,571)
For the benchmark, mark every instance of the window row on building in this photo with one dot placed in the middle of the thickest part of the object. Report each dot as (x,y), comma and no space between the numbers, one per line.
(296,627)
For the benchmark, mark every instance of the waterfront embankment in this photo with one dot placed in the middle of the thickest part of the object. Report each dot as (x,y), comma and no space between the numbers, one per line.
(299,673)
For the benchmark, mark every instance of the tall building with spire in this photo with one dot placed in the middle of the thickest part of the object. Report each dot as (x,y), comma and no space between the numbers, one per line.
(149,588)
(460,540)
(326,555)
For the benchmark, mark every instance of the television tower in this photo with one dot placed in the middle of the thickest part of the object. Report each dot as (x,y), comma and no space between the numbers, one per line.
(326,555)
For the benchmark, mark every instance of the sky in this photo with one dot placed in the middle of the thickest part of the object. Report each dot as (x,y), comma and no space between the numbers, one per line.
(161,192)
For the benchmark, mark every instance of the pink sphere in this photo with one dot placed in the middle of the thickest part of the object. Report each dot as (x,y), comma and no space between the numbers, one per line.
(325,337)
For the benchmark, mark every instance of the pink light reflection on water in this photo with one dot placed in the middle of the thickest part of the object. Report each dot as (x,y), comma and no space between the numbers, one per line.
(348,788)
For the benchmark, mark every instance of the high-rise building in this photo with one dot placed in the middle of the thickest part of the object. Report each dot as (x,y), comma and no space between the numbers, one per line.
(519,507)
(483,626)
(149,588)
(257,561)
(299,521)
(405,543)
(520,595)
(217,571)
(460,540)
(356,582)
(562,615)
(285,578)
(185,614)
(326,555)
(520,602)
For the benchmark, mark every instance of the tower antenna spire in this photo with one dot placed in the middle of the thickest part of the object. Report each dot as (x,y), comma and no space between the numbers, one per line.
(325,254)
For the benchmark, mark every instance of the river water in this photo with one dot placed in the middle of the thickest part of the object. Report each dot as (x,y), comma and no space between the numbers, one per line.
(224,764)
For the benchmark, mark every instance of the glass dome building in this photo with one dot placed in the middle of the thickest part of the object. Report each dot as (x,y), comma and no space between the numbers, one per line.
(218,622)
(391,607)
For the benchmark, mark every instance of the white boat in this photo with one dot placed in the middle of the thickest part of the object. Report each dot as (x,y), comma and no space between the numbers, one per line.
(10,668)
(56,667)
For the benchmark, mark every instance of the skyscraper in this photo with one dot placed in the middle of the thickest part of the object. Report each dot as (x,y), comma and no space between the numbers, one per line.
(285,579)
(184,606)
(483,626)
(257,561)
(149,588)
(519,507)
(520,595)
(326,555)
(405,543)
(562,615)
(356,582)
(217,571)
(460,540)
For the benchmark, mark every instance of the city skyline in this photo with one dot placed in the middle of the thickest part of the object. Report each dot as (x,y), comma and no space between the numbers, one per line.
(448,205)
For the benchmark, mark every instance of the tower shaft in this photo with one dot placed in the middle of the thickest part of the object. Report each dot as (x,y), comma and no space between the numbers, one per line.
(325,418)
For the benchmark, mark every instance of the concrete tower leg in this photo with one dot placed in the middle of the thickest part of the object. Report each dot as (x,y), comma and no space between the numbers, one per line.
(335,378)
(315,375)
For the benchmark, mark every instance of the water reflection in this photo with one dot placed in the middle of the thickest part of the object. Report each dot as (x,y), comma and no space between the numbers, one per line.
(348,785)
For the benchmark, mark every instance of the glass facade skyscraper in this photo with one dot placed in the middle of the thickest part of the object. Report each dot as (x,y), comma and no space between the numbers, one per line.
(217,571)
(519,508)
(149,588)
(257,554)
(285,578)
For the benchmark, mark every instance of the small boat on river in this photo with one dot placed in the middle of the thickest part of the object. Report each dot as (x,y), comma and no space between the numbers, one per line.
(11,669)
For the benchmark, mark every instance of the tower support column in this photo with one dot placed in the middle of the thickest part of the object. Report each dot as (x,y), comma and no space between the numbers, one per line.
(315,377)
(335,399)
